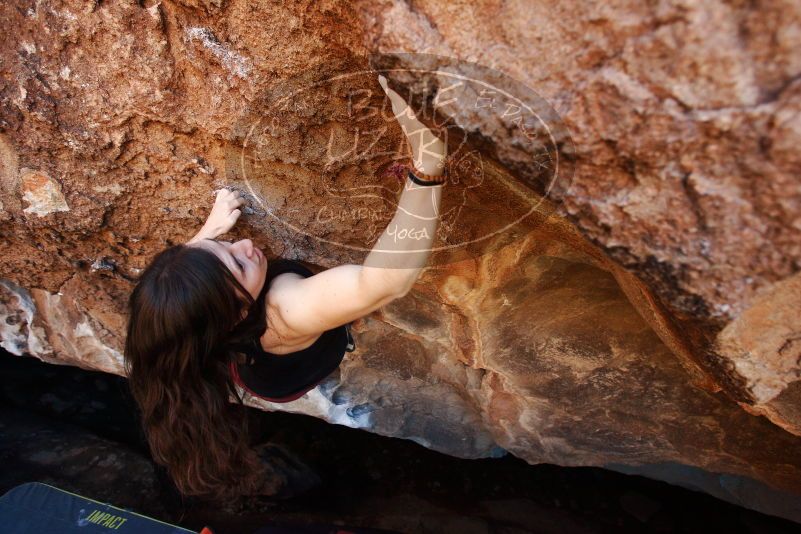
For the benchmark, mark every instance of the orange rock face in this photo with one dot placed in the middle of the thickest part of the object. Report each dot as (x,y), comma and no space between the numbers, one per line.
(645,313)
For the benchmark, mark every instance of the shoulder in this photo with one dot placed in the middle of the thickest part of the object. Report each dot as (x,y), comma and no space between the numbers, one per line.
(279,291)
(280,281)
(284,275)
(279,334)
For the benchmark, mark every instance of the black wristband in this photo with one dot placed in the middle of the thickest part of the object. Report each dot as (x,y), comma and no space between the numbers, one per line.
(418,181)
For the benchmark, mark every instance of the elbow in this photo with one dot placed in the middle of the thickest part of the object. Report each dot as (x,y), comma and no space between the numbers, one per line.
(403,291)
(384,282)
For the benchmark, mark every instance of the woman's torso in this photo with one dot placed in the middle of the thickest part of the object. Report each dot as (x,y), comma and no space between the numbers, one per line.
(291,366)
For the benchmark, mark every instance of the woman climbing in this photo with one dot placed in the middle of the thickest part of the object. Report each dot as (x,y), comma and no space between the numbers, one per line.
(208,315)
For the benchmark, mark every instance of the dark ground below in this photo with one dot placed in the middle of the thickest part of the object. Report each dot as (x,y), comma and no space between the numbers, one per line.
(77,430)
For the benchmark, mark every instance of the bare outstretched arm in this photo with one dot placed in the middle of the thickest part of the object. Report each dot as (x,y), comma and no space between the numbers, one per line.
(403,249)
(348,292)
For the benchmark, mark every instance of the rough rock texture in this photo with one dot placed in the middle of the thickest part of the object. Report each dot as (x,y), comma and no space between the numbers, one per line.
(644,314)
(685,118)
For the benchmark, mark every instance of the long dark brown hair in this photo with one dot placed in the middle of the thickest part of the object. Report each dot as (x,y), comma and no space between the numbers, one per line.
(183,316)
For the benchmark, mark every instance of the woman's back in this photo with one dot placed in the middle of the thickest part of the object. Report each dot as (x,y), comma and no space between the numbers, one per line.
(285,377)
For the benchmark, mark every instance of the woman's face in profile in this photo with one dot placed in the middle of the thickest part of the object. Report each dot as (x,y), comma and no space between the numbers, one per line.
(246,262)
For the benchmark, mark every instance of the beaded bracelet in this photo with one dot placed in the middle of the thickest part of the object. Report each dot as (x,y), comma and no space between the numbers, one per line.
(427,179)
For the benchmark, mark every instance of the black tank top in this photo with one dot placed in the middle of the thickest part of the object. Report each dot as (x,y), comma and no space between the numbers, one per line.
(286,377)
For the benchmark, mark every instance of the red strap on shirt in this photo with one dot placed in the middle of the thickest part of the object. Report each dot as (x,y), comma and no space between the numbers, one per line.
(288,398)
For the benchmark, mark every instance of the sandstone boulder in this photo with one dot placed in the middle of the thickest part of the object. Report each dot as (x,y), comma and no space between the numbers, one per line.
(644,313)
